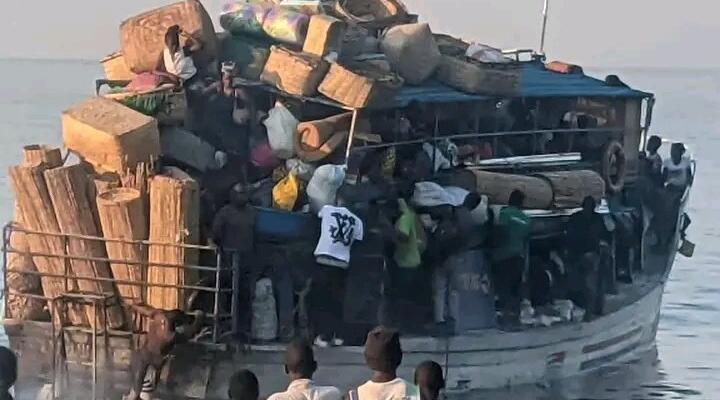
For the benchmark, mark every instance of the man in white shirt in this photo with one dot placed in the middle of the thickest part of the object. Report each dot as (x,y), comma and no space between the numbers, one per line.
(340,228)
(383,355)
(176,62)
(300,366)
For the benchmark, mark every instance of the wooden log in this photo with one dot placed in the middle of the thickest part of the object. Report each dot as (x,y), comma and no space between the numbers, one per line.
(571,187)
(68,189)
(174,219)
(538,192)
(122,217)
(37,214)
(36,154)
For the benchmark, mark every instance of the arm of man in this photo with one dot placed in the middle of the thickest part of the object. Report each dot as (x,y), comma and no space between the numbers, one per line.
(144,310)
(187,334)
(218,227)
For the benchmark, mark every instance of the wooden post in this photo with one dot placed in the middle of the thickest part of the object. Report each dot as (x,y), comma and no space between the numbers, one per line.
(36,154)
(37,214)
(174,219)
(69,191)
(122,217)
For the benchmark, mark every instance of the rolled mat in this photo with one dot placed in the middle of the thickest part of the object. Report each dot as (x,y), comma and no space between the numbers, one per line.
(316,140)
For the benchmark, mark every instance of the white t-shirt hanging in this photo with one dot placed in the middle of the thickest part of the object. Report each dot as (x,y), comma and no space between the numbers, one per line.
(339,229)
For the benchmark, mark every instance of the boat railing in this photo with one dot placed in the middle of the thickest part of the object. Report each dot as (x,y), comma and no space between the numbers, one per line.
(202,286)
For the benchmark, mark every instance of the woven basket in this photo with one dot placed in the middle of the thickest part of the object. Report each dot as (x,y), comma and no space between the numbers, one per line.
(371,13)
(359,87)
(293,72)
(143,36)
(480,78)
(115,68)
(325,34)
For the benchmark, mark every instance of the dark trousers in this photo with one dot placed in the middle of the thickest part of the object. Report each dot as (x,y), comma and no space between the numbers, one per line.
(244,276)
(508,279)
(326,300)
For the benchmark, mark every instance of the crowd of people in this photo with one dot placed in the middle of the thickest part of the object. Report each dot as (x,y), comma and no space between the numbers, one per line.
(383,356)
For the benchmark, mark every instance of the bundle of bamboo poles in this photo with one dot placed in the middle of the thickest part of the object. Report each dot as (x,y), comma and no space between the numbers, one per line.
(174,221)
(37,214)
(69,191)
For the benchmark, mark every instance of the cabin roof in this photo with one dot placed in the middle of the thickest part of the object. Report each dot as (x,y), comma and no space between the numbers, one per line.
(536,82)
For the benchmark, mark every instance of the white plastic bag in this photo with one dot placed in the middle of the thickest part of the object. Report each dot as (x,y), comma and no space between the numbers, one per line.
(300,168)
(430,194)
(323,187)
(480,214)
(264,315)
(281,127)
(487,54)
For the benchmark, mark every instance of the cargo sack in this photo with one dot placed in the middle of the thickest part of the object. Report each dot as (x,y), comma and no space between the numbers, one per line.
(143,37)
(412,51)
(362,85)
(323,187)
(248,54)
(281,127)
(293,72)
(244,18)
(476,77)
(373,14)
(286,26)
(264,313)
(286,193)
(325,35)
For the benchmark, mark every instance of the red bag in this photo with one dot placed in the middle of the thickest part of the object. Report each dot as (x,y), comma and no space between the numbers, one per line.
(144,82)
(563,68)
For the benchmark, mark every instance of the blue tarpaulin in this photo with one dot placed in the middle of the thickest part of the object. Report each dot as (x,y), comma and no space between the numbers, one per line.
(536,82)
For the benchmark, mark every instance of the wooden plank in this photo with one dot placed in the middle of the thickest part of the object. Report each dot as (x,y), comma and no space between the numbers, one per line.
(174,219)
(69,191)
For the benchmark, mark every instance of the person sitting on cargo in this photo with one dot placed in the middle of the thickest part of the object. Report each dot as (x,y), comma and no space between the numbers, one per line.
(243,385)
(166,330)
(653,160)
(430,380)
(176,63)
(510,239)
(300,366)
(8,372)
(383,354)
(233,230)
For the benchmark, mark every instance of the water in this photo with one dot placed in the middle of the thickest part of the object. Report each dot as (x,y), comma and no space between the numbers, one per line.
(33,94)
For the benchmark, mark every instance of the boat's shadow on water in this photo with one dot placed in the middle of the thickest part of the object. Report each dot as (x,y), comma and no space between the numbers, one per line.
(638,379)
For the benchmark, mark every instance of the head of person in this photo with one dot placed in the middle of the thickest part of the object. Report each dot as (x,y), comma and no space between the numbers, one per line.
(243,386)
(472,201)
(383,352)
(653,144)
(589,204)
(172,39)
(300,360)
(517,199)
(429,378)
(8,369)
(240,195)
(677,150)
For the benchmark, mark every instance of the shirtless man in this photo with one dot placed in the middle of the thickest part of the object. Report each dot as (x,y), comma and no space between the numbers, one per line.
(166,329)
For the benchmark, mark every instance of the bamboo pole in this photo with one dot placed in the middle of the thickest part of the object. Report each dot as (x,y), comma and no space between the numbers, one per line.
(69,191)
(37,214)
(122,217)
(36,154)
(174,218)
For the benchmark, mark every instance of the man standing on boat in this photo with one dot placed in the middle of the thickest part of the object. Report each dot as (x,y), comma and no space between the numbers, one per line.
(234,232)
(509,254)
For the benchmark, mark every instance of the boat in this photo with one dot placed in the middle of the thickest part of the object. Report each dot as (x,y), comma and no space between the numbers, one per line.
(599,129)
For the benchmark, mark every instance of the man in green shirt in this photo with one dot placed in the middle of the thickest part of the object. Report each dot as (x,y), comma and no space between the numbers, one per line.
(512,234)
(410,237)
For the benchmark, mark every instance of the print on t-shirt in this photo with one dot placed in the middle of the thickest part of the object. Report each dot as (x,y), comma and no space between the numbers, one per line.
(340,228)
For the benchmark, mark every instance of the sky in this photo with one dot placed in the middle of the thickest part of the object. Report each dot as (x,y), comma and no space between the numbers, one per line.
(607,33)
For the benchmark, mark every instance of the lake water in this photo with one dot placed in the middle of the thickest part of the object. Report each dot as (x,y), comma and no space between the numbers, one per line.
(687,362)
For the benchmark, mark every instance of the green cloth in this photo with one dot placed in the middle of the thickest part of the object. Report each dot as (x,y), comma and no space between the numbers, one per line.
(514,227)
(409,254)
